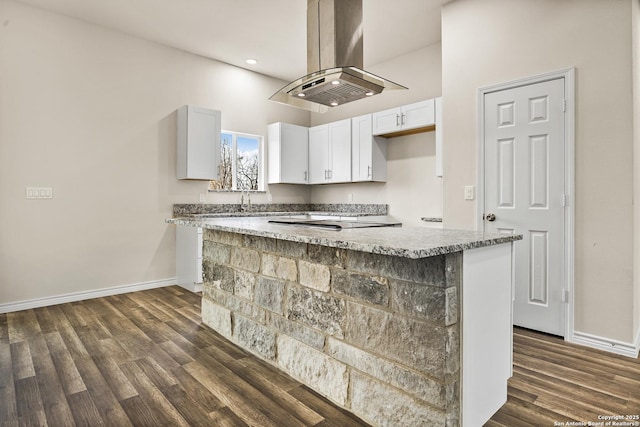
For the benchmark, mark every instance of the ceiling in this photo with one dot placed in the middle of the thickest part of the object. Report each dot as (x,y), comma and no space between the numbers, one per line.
(271,31)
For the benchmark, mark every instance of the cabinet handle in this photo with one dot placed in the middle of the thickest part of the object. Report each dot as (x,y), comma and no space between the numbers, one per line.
(368,171)
(397,119)
(305,175)
(403,119)
(325,174)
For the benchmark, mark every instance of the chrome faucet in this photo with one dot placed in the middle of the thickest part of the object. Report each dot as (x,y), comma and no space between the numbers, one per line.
(247,207)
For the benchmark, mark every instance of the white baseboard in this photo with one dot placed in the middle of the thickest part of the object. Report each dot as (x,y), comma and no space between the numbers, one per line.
(79,296)
(607,344)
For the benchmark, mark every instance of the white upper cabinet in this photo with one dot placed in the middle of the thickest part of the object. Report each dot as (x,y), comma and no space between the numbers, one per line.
(368,153)
(198,143)
(330,153)
(405,120)
(288,153)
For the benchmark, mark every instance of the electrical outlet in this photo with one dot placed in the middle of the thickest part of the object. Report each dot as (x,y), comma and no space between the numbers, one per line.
(469,192)
(350,197)
(39,193)
(269,197)
(203,198)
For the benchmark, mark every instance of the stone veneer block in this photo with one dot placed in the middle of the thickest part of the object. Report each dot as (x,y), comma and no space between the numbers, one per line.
(221,276)
(246,259)
(291,249)
(236,305)
(409,381)
(380,404)
(322,373)
(223,237)
(424,270)
(371,289)
(216,252)
(244,284)
(255,337)
(280,267)
(259,243)
(269,294)
(413,343)
(315,276)
(298,331)
(451,314)
(318,310)
(329,256)
(419,300)
(219,318)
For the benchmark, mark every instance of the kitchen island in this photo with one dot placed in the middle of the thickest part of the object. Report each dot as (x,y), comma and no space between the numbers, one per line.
(401,326)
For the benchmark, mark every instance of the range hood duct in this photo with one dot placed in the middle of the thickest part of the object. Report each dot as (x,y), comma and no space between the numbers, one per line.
(334,60)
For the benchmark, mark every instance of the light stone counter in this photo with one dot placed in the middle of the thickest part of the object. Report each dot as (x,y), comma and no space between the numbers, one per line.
(407,242)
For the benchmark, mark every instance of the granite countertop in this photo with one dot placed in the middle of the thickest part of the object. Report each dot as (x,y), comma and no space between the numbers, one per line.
(408,242)
(263,214)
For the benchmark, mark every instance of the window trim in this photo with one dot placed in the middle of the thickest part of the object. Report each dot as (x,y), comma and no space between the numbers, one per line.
(234,167)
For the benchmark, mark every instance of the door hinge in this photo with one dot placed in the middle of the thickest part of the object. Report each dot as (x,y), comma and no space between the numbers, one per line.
(564,105)
(565,295)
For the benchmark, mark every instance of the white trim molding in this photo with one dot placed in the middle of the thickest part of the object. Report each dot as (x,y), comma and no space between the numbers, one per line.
(607,344)
(79,296)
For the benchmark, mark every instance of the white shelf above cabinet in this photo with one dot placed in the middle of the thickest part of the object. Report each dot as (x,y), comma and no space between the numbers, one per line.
(288,153)
(198,143)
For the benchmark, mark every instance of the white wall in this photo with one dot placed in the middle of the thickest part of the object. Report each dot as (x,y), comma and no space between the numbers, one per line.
(494,41)
(412,190)
(91,113)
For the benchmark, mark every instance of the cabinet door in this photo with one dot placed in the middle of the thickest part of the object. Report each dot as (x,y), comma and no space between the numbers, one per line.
(288,153)
(420,114)
(386,121)
(361,148)
(340,151)
(318,154)
(198,144)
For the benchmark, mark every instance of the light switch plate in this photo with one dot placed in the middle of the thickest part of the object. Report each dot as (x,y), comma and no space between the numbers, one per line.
(469,192)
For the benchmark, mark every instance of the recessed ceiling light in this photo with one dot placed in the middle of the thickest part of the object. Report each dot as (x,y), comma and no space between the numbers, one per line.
(251,61)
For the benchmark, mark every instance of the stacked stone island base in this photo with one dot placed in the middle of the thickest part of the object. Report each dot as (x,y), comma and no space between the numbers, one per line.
(377,334)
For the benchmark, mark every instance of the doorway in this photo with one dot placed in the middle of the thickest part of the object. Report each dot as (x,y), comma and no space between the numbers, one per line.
(525,187)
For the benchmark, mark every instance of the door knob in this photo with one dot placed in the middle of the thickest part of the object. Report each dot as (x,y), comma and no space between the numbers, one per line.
(490,217)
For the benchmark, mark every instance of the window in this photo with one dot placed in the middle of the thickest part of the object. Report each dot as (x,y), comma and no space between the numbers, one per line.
(240,162)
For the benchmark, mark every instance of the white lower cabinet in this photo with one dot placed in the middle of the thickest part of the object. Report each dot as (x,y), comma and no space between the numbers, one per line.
(189,258)
(368,153)
(330,153)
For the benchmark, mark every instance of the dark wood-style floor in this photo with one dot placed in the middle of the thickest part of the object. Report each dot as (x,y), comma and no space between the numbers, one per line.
(144,359)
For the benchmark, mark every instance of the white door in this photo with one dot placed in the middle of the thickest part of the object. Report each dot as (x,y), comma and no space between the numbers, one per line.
(524,194)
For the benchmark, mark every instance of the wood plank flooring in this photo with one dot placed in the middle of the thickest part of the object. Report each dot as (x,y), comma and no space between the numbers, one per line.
(144,359)
(558,382)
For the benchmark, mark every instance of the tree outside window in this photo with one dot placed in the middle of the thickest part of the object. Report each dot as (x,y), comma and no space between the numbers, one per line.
(239,162)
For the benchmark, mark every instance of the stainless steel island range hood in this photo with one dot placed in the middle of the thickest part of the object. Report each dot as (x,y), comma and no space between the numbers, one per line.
(334,60)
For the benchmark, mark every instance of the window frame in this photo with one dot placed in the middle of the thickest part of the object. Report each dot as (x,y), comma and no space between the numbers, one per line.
(234,160)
